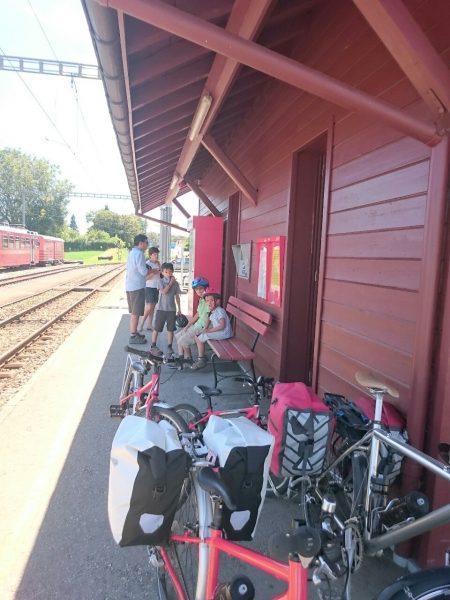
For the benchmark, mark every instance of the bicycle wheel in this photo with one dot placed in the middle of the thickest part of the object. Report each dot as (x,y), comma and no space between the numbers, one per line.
(191,415)
(170,415)
(424,585)
(190,561)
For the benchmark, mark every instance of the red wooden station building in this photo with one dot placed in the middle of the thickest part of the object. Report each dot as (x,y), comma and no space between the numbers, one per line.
(319,130)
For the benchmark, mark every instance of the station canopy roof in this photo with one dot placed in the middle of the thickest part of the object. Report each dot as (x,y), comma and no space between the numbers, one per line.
(159,84)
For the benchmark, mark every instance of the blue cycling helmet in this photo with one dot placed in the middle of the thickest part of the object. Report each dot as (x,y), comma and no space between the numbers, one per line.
(200,282)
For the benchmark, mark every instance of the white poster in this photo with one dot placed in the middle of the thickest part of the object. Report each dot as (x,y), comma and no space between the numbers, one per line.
(262,273)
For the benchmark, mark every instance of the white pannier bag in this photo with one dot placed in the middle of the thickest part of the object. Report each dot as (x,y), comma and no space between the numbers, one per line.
(147,471)
(243,452)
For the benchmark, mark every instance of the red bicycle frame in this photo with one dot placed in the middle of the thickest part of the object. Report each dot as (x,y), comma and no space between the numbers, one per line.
(152,387)
(252,413)
(293,573)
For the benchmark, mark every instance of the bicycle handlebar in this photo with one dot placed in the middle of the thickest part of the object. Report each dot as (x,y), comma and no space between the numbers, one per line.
(154,359)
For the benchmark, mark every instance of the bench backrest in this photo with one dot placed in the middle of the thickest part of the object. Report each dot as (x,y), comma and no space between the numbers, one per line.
(255,318)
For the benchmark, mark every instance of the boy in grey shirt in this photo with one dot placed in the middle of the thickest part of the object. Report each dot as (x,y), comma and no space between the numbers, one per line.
(167,308)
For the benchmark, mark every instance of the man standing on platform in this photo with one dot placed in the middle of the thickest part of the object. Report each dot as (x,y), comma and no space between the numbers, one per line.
(135,286)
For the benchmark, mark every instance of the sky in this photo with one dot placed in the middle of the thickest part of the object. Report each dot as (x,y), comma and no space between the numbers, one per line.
(61,120)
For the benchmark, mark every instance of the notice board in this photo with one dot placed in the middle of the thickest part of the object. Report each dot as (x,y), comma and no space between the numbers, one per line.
(270,268)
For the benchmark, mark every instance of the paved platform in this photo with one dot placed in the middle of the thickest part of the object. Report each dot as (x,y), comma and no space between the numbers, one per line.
(55,438)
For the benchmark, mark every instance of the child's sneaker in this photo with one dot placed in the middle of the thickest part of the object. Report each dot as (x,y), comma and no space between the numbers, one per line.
(137,339)
(200,363)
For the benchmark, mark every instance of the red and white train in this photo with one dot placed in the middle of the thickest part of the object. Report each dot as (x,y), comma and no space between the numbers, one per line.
(21,247)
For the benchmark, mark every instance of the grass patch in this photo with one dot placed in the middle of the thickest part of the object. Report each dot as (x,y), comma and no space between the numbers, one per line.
(91,257)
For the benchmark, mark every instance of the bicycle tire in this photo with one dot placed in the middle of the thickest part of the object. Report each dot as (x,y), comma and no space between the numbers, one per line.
(191,415)
(432,584)
(170,415)
(189,561)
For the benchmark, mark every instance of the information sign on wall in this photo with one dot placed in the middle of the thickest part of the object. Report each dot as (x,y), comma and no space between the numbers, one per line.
(270,261)
(242,258)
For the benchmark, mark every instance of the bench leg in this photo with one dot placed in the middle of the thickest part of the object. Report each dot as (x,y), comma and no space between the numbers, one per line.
(214,370)
(252,366)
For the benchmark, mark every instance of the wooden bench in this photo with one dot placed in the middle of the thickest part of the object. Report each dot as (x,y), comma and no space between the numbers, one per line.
(234,349)
(109,257)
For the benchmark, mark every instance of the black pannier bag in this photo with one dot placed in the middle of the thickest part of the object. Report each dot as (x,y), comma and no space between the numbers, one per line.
(147,471)
(354,419)
(243,451)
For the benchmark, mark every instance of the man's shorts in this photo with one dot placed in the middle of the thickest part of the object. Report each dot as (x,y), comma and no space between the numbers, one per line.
(164,316)
(136,302)
(151,295)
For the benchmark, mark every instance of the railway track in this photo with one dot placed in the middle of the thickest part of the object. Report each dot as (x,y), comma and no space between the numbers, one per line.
(28,276)
(22,330)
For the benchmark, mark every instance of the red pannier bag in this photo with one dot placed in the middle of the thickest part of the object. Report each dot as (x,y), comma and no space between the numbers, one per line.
(301,424)
(390,462)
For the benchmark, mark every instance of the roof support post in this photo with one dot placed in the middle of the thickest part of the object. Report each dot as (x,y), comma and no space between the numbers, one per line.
(203,197)
(230,169)
(267,61)
(410,47)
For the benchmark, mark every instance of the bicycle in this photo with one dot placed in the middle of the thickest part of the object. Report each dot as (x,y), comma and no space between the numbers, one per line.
(196,419)
(142,399)
(354,493)
(194,575)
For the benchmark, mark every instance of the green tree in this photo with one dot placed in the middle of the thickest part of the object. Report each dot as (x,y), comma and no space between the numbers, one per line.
(126,227)
(32,185)
(73,223)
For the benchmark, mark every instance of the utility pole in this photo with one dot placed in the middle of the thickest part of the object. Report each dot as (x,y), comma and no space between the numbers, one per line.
(165,233)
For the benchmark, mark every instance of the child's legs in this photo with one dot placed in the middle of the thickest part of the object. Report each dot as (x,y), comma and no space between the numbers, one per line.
(170,320)
(159,321)
(200,348)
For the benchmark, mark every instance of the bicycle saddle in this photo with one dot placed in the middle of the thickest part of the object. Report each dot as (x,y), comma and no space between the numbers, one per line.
(206,391)
(374,382)
(211,481)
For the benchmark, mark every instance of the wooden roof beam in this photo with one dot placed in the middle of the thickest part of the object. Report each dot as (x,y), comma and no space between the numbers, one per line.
(202,196)
(181,208)
(280,67)
(245,20)
(230,169)
(410,47)
(138,214)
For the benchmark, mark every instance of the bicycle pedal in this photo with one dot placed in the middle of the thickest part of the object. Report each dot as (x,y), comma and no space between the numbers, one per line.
(115,410)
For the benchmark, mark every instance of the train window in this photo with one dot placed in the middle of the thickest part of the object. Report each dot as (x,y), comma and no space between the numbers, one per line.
(27,242)
(17,243)
(22,242)
(4,241)
(11,242)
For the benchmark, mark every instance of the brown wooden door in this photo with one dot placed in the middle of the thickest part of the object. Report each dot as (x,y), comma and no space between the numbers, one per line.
(302,262)
(231,237)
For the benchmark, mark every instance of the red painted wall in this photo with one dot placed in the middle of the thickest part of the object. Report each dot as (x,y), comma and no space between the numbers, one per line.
(377,202)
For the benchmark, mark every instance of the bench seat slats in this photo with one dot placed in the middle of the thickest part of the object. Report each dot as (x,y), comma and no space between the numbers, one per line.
(231,349)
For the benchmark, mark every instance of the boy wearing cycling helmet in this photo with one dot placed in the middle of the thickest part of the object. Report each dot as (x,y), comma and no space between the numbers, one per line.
(217,328)
(186,337)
